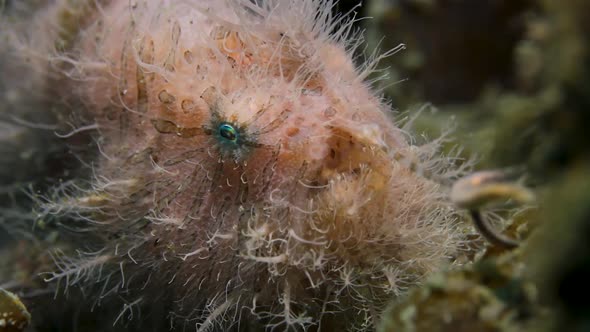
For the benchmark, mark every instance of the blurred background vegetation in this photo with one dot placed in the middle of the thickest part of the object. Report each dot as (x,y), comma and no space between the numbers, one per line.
(515,77)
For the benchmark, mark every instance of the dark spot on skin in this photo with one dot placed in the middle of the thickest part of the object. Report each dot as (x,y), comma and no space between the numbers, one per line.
(166,98)
(292,131)
(169,127)
(187,105)
(188,57)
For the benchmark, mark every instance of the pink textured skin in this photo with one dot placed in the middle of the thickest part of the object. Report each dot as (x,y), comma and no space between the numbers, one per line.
(322,210)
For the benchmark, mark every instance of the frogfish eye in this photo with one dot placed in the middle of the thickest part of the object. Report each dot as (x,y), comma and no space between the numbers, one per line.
(228,132)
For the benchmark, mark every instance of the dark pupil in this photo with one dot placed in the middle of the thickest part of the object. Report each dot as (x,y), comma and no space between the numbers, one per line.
(228,132)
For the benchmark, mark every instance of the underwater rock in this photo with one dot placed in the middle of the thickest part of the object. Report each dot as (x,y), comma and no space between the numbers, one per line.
(14,316)
(494,294)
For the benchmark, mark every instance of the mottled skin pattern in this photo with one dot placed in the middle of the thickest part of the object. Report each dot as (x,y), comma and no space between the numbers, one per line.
(313,207)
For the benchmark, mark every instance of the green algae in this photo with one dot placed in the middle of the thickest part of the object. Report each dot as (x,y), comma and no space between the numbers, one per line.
(536,123)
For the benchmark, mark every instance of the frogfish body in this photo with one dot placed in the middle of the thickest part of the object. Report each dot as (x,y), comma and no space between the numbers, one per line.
(235,165)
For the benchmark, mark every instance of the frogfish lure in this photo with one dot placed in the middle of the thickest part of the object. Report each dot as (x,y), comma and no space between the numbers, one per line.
(213,165)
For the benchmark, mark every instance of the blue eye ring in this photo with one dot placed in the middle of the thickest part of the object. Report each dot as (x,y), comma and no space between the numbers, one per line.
(231,139)
(228,132)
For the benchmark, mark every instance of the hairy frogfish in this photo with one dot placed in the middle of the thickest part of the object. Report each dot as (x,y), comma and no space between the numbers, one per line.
(214,164)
